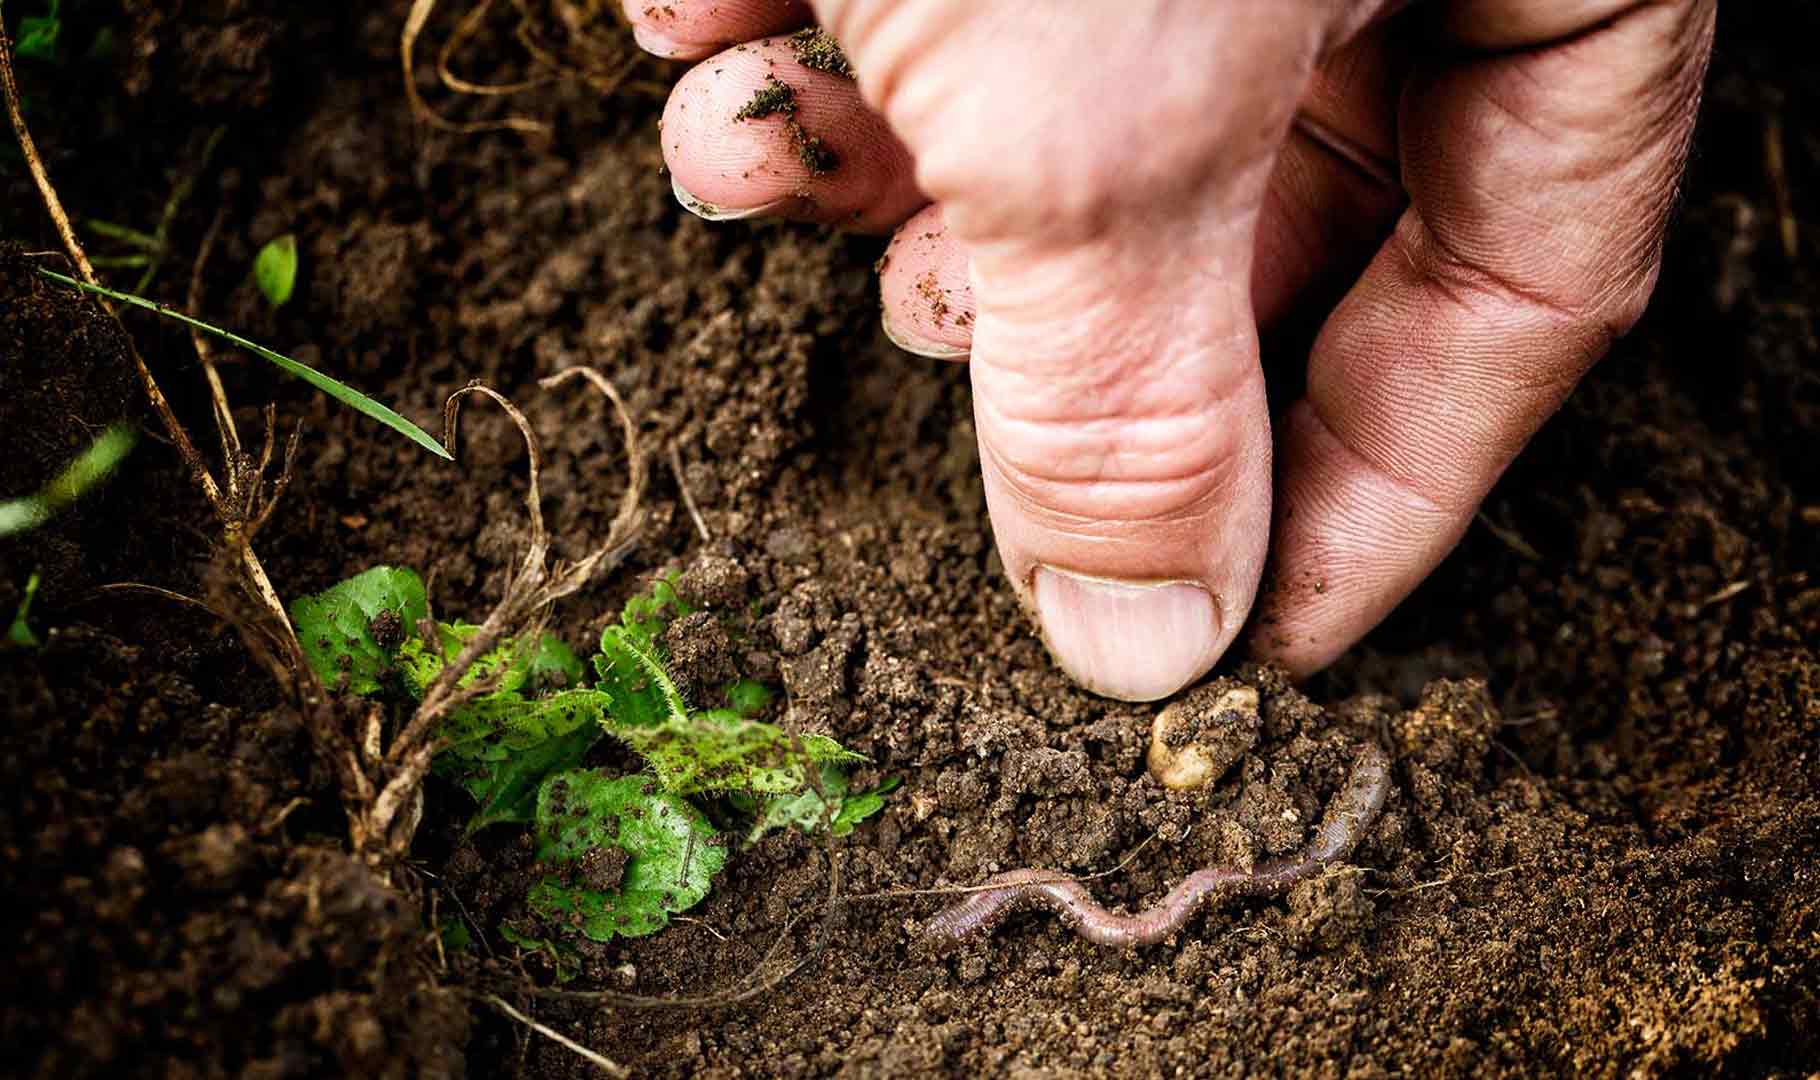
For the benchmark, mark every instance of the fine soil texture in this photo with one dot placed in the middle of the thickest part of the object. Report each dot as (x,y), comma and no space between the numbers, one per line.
(1599,853)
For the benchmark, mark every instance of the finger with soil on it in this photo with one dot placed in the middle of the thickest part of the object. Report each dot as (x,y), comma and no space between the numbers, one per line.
(753,132)
(1348,817)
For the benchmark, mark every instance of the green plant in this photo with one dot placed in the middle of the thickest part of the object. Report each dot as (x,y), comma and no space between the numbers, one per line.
(38,34)
(624,853)
(341,392)
(275,269)
(76,479)
(19,634)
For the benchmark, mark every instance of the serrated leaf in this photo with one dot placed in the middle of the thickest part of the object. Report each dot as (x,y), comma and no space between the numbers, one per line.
(549,665)
(803,809)
(336,625)
(710,750)
(720,750)
(630,670)
(275,269)
(502,747)
(672,854)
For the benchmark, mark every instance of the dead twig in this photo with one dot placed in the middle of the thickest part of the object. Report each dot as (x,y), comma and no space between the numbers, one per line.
(414,23)
(286,658)
(593,1057)
(688,497)
(469,25)
(395,781)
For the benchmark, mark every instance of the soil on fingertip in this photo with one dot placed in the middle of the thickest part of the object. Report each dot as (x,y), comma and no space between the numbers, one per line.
(815,48)
(778,98)
(1600,854)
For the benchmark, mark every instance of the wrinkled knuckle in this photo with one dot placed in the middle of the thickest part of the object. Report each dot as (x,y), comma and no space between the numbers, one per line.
(1081,473)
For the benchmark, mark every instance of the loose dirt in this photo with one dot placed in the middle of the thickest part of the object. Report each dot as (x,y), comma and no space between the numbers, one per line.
(1600,853)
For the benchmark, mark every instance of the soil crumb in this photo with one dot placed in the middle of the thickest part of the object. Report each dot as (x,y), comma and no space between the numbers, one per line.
(816,48)
(774,98)
(778,98)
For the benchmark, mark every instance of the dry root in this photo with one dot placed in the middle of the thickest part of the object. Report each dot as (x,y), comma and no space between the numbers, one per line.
(563,38)
(386,782)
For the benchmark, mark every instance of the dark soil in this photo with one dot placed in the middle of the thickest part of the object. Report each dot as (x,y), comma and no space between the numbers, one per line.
(1601,854)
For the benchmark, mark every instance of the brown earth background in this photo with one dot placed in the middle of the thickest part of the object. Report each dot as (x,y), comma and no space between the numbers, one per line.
(1600,855)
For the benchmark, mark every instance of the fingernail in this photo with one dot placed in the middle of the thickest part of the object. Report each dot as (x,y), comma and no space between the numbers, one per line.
(934,350)
(1127,640)
(658,43)
(710,212)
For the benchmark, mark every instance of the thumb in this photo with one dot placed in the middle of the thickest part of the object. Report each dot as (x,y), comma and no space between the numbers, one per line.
(1125,442)
(1098,179)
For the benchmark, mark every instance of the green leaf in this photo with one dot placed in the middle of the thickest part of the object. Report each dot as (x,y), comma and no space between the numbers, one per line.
(336,626)
(804,808)
(77,479)
(672,854)
(553,665)
(712,750)
(748,697)
(455,935)
(38,35)
(275,269)
(857,808)
(631,672)
(19,635)
(720,750)
(563,960)
(341,392)
(502,747)
(547,665)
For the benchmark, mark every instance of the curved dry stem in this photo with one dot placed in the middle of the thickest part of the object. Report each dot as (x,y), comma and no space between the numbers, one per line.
(629,518)
(605,76)
(451,418)
(414,23)
(527,597)
(467,28)
(593,1057)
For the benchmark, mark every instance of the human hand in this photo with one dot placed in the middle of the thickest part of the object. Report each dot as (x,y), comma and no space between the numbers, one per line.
(1099,204)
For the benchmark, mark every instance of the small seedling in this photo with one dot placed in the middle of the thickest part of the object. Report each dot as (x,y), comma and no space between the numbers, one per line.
(77,479)
(340,391)
(38,34)
(19,635)
(625,852)
(275,269)
(805,809)
(149,250)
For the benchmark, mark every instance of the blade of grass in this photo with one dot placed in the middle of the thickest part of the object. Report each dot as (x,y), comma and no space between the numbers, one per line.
(88,469)
(341,392)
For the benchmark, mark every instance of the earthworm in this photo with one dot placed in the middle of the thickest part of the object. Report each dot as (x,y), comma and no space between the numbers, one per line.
(1350,813)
